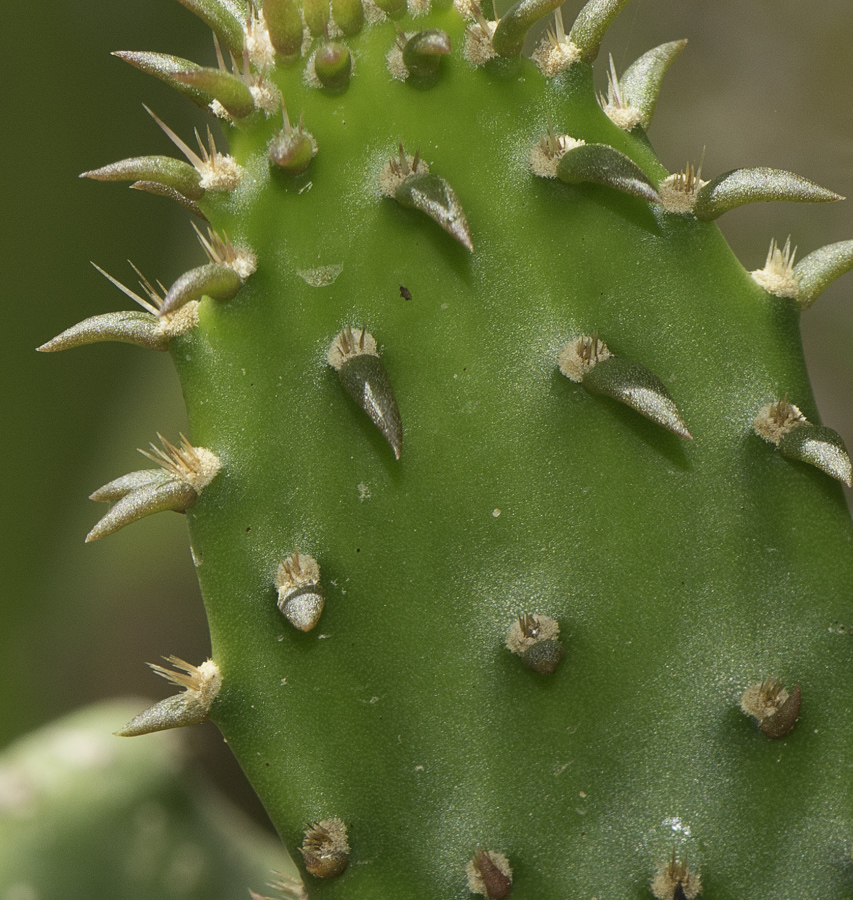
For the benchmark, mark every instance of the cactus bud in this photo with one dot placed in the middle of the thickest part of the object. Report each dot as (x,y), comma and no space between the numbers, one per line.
(601,164)
(300,593)
(333,66)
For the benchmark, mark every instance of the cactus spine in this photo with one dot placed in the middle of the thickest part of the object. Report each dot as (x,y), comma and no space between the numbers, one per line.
(471,486)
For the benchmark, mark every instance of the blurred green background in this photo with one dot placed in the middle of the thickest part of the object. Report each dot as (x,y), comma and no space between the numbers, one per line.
(762,82)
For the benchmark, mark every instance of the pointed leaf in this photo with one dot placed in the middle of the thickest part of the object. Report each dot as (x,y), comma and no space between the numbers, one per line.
(174,495)
(224,18)
(508,39)
(231,91)
(591,25)
(366,380)
(172,712)
(166,67)
(123,485)
(601,164)
(215,280)
(820,447)
(423,51)
(128,327)
(316,14)
(641,82)
(740,186)
(434,197)
(165,170)
(284,24)
(637,387)
(162,190)
(815,272)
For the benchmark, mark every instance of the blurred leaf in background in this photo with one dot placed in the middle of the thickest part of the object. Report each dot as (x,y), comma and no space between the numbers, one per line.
(763,82)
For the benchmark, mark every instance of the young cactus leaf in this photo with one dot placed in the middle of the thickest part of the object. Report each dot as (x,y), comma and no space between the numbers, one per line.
(781,423)
(215,280)
(820,447)
(165,67)
(188,471)
(815,272)
(284,24)
(489,874)
(348,16)
(316,14)
(641,82)
(433,196)
(333,66)
(591,25)
(508,39)
(224,18)
(230,90)
(392,8)
(355,357)
(741,186)
(588,361)
(422,52)
(164,170)
(300,593)
(161,190)
(128,327)
(601,164)
(191,707)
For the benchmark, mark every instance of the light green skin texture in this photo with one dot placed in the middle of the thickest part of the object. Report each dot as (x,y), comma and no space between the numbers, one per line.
(680,571)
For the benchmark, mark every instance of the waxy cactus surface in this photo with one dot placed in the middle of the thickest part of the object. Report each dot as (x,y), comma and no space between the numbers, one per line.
(512,511)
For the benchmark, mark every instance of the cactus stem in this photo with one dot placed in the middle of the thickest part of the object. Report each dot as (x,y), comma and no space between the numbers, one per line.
(300,593)
(219,172)
(325,848)
(775,710)
(616,104)
(534,638)
(777,277)
(675,881)
(489,874)
(201,686)
(354,356)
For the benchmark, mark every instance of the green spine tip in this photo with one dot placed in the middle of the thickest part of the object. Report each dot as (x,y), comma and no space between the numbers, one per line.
(775,710)
(292,149)
(354,356)
(224,18)
(166,67)
(422,52)
(300,593)
(333,66)
(489,874)
(535,639)
(741,186)
(188,469)
(229,90)
(591,25)
(508,39)
(325,848)
(675,881)
(641,82)
(781,423)
(588,361)
(815,272)
(161,190)
(316,14)
(348,15)
(128,327)
(602,164)
(201,685)
(284,24)
(164,170)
